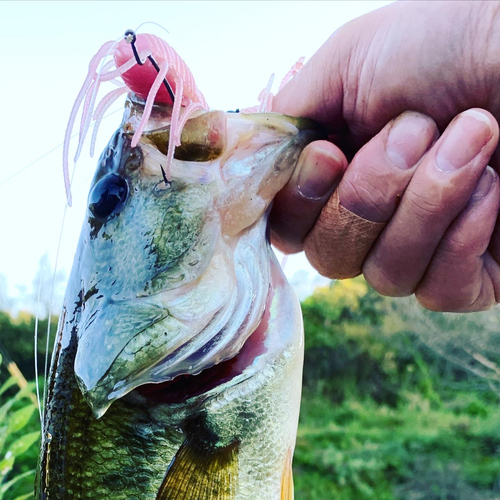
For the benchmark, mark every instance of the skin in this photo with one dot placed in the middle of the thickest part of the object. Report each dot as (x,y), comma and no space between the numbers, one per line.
(410,95)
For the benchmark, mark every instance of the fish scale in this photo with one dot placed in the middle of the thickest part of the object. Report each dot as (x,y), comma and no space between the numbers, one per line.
(107,456)
(127,452)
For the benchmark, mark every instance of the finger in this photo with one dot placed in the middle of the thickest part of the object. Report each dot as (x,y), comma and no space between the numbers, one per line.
(437,193)
(297,206)
(316,87)
(457,279)
(494,248)
(368,196)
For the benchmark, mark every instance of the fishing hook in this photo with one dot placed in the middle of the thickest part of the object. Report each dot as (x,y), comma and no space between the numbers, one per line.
(165,180)
(131,38)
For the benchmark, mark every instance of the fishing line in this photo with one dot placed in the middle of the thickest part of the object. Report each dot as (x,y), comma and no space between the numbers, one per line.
(47,342)
(30,164)
(86,125)
(52,286)
(153,23)
(55,148)
(37,311)
(84,183)
(79,148)
(36,348)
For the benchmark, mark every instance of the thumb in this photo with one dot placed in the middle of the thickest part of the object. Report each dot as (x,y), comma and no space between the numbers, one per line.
(317,91)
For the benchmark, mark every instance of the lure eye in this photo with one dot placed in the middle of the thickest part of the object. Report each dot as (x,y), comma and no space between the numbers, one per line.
(129,36)
(108,196)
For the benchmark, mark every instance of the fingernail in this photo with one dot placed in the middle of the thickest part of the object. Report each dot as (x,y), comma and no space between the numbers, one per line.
(484,185)
(410,137)
(467,135)
(318,173)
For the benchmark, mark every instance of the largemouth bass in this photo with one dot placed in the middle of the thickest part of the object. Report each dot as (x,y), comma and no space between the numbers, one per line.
(176,370)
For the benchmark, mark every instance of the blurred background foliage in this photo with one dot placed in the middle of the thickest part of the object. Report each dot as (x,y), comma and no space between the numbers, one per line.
(397,403)
(19,433)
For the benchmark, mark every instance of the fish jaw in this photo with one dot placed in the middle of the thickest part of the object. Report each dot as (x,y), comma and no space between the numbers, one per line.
(178,279)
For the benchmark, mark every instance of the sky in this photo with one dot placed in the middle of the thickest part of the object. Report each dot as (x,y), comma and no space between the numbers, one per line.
(231,48)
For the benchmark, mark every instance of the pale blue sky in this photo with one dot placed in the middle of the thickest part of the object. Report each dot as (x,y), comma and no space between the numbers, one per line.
(231,48)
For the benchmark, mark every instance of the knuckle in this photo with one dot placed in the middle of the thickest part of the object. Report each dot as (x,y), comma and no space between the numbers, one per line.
(442,297)
(382,280)
(422,207)
(365,196)
(433,302)
(459,246)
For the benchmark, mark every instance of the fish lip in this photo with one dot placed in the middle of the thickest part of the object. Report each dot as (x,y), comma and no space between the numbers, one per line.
(284,122)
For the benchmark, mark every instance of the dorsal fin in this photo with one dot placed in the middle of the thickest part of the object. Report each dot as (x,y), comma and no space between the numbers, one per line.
(201,472)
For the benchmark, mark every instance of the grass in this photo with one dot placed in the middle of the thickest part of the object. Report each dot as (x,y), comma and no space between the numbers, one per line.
(361,450)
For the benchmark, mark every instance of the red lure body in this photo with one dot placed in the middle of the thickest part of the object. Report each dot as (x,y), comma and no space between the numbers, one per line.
(139,79)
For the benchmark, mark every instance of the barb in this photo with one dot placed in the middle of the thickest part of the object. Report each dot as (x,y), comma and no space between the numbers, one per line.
(165,180)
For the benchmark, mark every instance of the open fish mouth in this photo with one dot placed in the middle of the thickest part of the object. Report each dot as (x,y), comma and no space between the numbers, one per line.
(187,386)
(156,339)
(177,273)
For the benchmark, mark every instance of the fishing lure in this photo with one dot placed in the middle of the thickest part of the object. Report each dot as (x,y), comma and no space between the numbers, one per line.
(152,70)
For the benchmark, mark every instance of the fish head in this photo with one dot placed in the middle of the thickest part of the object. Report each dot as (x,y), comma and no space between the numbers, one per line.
(171,272)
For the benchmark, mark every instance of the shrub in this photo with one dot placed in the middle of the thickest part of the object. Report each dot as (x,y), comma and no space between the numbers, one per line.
(17,412)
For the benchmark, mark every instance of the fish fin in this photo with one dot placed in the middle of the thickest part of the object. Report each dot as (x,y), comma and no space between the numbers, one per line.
(287,478)
(201,472)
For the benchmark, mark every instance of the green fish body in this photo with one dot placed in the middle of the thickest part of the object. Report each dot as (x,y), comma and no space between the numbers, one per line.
(176,371)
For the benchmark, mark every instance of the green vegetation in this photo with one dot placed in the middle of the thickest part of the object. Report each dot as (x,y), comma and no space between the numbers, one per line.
(384,417)
(18,437)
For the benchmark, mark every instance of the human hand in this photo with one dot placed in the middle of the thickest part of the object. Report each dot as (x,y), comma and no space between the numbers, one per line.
(434,242)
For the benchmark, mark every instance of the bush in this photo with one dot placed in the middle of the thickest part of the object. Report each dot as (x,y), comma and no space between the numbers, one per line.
(383,416)
(17,439)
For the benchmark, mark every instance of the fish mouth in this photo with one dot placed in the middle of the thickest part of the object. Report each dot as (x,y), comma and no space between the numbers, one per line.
(174,348)
(258,351)
(187,386)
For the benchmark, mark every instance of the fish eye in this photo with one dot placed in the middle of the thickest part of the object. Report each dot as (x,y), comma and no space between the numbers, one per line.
(108,196)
